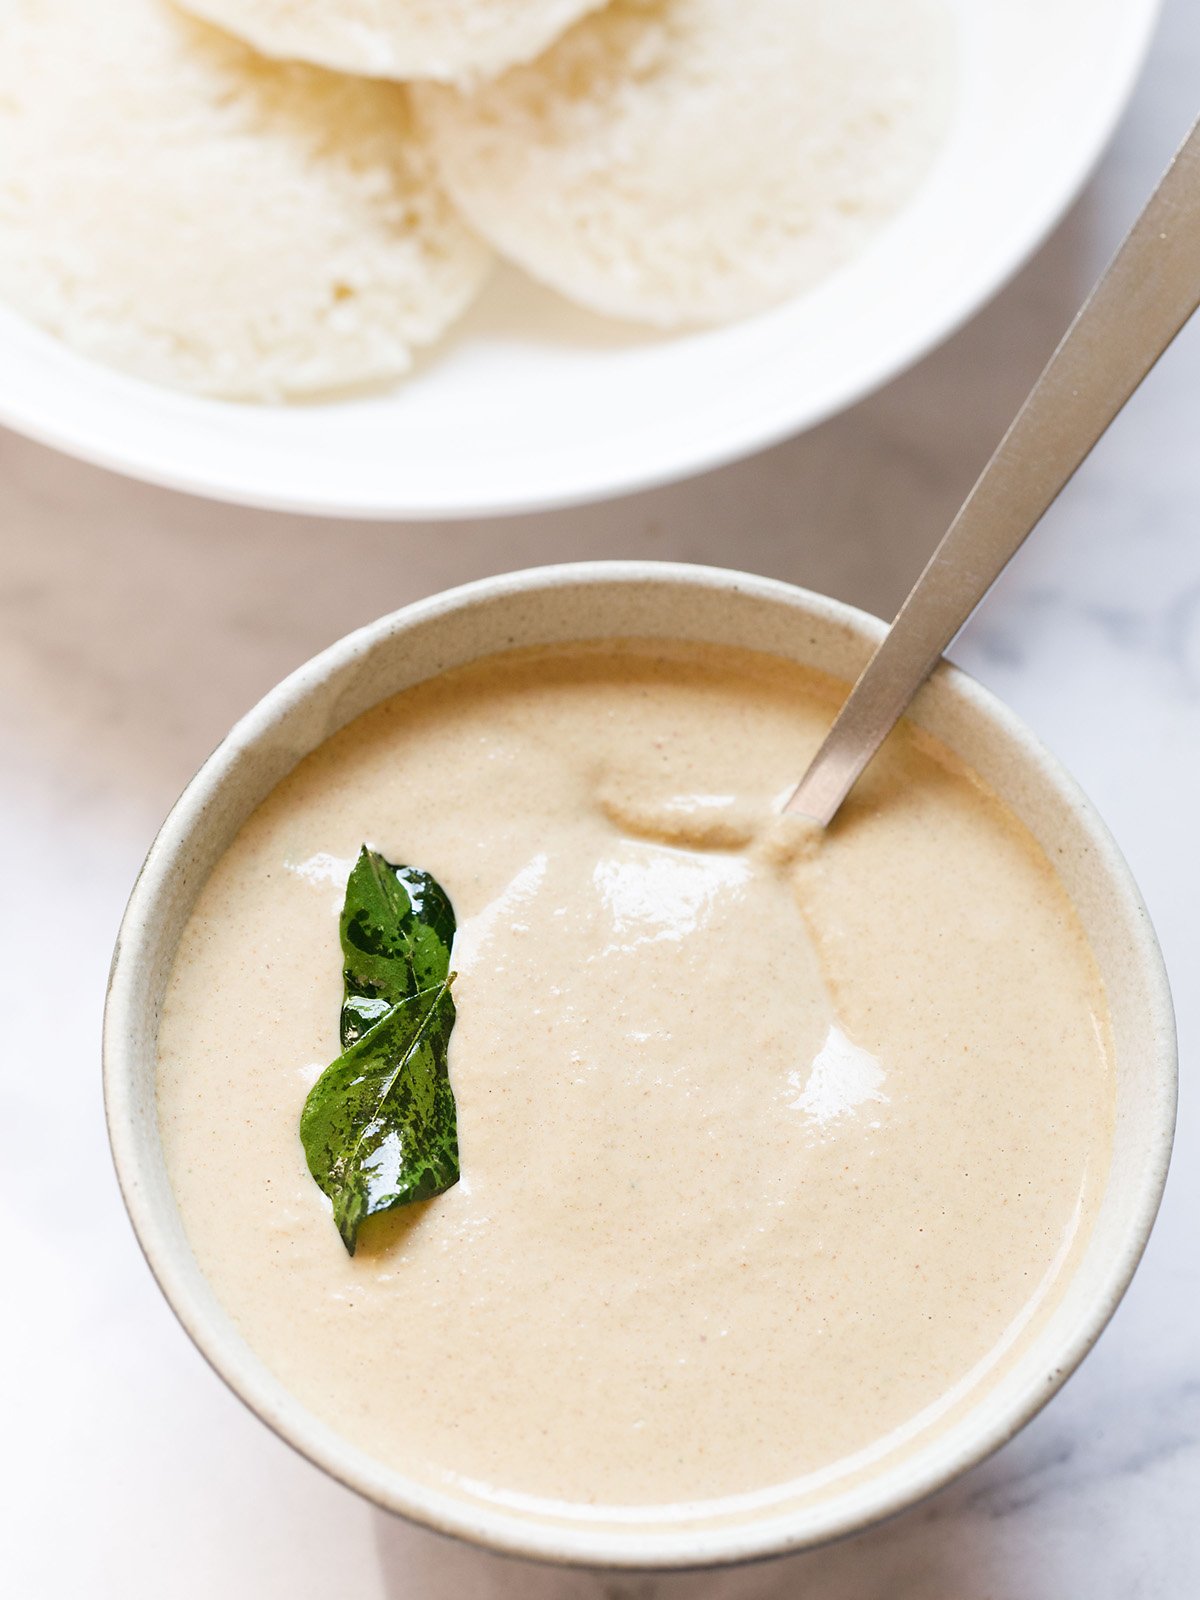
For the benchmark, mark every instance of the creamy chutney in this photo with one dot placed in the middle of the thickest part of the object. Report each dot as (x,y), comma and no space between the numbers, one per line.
(776,1148)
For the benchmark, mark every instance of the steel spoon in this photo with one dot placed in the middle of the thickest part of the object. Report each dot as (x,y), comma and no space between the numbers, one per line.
(1149,290)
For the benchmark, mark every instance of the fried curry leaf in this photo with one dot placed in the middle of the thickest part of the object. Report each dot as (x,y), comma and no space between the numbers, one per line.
(379,1127)
(397,928)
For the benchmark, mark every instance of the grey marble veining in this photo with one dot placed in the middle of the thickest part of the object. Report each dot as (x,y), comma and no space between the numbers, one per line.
(135,625)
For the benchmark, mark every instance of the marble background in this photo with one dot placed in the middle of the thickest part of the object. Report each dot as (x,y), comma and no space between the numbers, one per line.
(136,625)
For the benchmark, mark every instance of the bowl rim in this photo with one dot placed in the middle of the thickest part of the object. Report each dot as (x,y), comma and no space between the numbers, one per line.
(178,1276)
(743,431)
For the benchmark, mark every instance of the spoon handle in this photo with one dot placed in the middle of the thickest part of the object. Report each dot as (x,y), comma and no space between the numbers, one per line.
(1148,292)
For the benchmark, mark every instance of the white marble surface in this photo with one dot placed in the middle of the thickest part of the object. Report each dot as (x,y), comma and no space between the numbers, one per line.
(135,625)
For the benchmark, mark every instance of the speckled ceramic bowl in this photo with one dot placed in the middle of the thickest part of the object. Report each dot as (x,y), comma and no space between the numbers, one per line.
(671,602)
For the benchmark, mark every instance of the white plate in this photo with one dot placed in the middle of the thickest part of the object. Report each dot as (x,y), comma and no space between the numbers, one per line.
(533,404)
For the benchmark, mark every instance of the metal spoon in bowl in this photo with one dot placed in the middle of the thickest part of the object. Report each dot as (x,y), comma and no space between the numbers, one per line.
(1148,292)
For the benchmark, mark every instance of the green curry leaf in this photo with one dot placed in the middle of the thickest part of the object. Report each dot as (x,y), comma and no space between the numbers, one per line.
(379,1127)
(397,927)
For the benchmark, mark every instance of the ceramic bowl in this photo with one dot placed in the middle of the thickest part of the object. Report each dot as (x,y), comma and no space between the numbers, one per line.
(669,602)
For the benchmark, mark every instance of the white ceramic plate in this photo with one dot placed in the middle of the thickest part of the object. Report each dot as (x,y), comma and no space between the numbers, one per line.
(533,404)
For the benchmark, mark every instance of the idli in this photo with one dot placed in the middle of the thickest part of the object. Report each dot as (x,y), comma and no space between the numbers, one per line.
(452,41)
(174,205)
(688,161)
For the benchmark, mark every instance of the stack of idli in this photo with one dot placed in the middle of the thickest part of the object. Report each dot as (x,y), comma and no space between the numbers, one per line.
(266,199)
